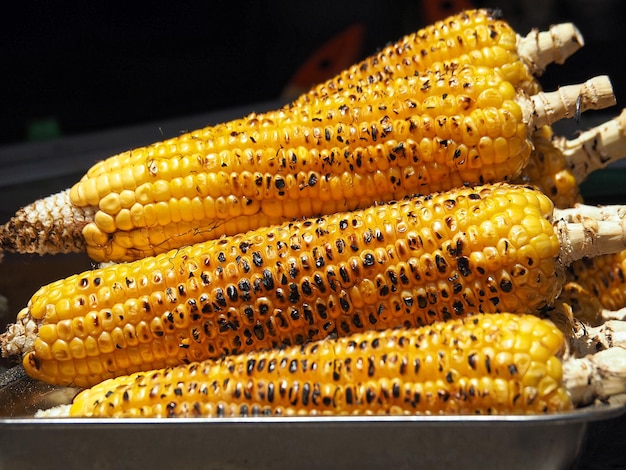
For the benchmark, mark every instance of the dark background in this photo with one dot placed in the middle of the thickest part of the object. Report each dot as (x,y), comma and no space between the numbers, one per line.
(98,65)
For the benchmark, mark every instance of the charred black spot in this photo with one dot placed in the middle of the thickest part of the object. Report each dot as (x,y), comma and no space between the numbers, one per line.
(231,292)
(257,259)
(464,266)
(268,279)
(506,285)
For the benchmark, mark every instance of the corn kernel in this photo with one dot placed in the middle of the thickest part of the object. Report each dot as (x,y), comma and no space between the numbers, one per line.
(110,203)
(105,222)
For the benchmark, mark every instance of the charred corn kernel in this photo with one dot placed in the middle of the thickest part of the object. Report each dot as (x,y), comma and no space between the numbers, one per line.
(549,170)
(582,304)
(405,263)
(467,366)
(603,277)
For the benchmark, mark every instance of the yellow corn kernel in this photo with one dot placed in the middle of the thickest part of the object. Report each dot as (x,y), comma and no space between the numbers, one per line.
(110,203)
(104,222)
(464,366)
(77,348)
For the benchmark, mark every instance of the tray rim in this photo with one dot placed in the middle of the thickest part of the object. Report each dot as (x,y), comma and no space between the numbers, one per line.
(16,377)
(574,417)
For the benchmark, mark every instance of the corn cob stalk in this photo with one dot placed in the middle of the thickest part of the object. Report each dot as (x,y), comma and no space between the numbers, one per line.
(582,338)
(594,286)
(591,339)
(419,134)
(409,263)
(558,165)
(596,377)
(486,364)
(596,148)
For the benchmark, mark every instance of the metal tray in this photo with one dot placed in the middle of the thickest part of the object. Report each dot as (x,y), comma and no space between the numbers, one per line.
(558,441)
(429,442)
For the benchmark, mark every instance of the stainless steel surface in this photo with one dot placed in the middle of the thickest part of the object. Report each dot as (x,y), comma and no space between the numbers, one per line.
(21,397)
(24,163)
(430,442)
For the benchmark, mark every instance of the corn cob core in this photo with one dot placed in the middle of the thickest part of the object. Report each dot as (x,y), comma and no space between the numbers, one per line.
(489,364)
(407,263)
(51,224)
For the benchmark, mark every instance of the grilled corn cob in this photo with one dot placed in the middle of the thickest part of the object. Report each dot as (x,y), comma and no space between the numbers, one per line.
(495,44)
(558,165)
(486,364)
(479,36)
(425,133)
(482,249)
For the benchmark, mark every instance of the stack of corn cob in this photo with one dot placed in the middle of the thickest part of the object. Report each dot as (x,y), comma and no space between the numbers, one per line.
(284,263)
